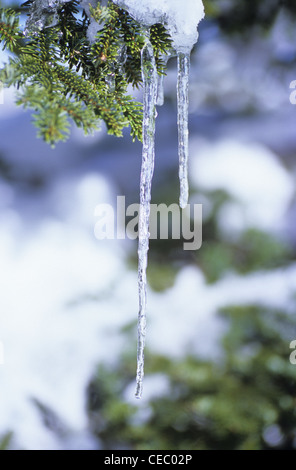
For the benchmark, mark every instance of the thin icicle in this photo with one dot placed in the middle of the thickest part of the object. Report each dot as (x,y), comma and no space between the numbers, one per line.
(149,74)
(160,90)
(183,102)
(110,81)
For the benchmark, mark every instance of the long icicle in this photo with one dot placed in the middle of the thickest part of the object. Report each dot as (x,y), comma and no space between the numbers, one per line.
(160,90)
(149,75)
(183,134)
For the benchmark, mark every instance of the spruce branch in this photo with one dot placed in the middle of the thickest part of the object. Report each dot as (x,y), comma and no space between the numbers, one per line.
(62,75)
(9,29)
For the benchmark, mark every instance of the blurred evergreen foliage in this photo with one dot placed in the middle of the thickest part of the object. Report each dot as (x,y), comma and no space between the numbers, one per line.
(245,398)
(240,16)
(5,441)
(243,401)
(253,250)
(248,251)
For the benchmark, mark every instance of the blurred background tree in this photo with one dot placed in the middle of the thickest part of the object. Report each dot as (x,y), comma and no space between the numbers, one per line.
(244,400)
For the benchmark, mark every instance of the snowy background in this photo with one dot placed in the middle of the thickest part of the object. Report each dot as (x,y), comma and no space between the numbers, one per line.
(65,296)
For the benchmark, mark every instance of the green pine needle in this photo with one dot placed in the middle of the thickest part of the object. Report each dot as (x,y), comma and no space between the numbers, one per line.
(62,77)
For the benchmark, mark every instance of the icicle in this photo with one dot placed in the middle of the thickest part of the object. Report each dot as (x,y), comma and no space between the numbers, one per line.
(110,81)
(42,14)
(149,74)
(160,92)
(122,57)
(120,62)
(183,102)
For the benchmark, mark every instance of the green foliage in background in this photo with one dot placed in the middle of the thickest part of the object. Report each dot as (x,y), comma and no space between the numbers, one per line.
(5,441)
(243,400)
(62,76)
(241,16)
(251,251)
(242,253)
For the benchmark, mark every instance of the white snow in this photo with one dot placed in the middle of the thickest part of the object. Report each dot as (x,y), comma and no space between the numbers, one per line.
(7,95)
(260,187)
(180,17)
(43,13)
(94,26)
(187,313)
(50,326)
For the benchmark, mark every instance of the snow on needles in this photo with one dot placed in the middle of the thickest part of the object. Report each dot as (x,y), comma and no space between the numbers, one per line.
(181,18)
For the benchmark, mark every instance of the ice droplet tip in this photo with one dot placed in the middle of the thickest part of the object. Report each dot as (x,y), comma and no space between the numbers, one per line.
(138,393)
(183,203)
